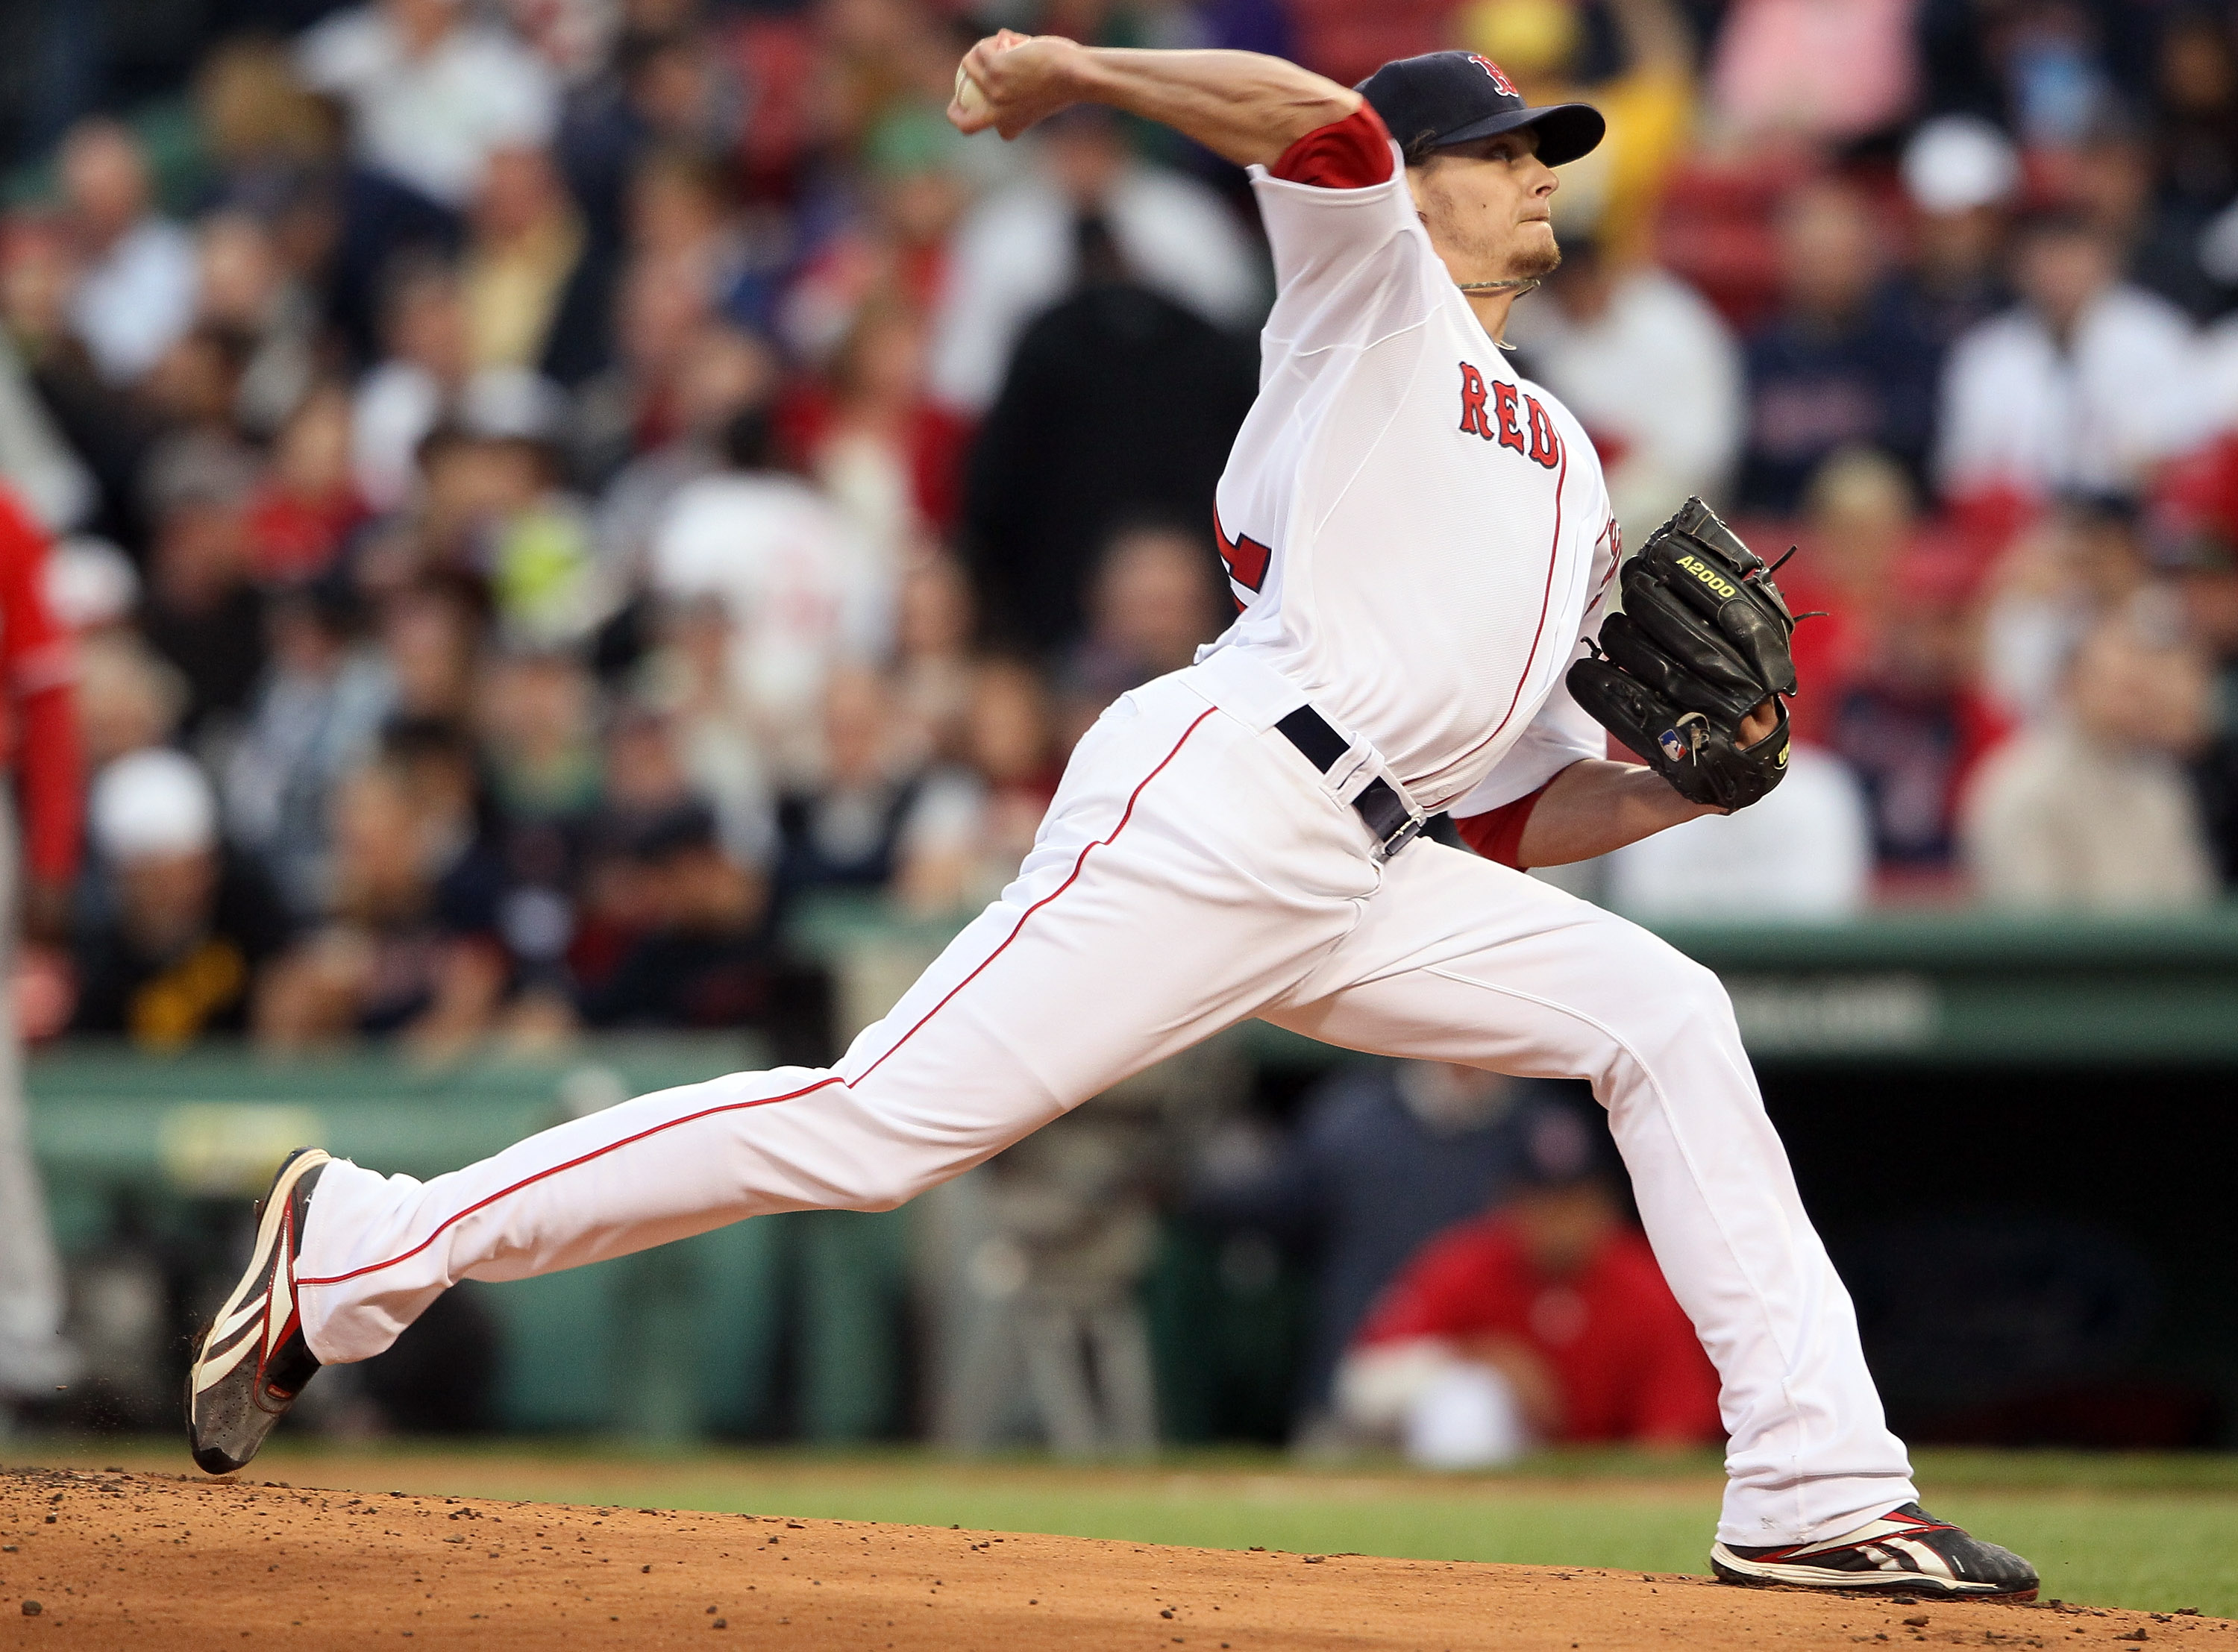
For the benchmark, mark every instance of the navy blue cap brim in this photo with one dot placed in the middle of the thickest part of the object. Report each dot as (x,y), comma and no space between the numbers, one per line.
(1567,131)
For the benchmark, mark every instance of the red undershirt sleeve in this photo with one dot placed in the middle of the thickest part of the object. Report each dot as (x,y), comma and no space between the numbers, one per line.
(1498,834)
(1350,154)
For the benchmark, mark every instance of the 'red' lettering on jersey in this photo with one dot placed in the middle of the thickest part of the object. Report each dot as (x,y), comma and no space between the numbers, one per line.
(1474,419)
(1415,537)
(1501,424)
(1503,401)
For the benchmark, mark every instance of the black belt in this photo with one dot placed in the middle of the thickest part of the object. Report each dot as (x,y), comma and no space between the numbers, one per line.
(1387,813)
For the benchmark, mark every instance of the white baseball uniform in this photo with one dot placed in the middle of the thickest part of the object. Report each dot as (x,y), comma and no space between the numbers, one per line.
(1418,540)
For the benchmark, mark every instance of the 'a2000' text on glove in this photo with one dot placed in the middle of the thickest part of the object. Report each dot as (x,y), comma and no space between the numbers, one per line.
(1702,642)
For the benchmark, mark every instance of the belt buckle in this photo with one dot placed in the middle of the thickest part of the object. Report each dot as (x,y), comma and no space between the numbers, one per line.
(1399,840)
(1379,801)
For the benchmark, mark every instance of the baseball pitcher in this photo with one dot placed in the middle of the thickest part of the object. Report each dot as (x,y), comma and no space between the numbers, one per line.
(1420,550)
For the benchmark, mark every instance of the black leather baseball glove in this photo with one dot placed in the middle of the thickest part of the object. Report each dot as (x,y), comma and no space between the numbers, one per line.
(1702,640)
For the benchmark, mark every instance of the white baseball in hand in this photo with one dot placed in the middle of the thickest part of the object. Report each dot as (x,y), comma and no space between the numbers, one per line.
(969,97)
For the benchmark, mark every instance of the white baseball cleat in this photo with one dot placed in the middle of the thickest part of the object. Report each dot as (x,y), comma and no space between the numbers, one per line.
(251,1361)
(1906,1551)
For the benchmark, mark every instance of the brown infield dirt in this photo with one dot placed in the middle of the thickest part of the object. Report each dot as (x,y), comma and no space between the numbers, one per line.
(119,1559)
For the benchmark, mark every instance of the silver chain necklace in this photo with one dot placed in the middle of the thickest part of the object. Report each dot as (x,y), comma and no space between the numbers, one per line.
(1519,284)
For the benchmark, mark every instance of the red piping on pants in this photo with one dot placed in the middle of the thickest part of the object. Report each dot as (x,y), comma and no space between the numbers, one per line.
(1128,815)
(793,1095)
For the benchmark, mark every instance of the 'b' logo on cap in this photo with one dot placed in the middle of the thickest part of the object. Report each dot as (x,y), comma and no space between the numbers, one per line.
(1499,74)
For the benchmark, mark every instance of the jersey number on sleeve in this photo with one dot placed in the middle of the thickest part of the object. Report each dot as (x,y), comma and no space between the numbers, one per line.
(1246,557)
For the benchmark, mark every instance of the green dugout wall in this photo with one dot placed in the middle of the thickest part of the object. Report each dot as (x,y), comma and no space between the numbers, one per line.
(2087,1063)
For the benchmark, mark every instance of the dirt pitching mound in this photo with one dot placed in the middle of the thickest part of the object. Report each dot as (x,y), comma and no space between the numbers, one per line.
(118,1559)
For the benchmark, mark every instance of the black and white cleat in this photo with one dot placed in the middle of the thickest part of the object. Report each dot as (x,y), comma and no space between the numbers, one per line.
(1906,1551)
(251,1361)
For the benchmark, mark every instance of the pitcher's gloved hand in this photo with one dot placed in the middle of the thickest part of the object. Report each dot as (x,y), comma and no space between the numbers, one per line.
(1701,643)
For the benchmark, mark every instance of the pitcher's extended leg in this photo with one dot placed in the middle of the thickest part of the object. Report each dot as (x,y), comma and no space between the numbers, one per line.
(1459,959)
(1134,881)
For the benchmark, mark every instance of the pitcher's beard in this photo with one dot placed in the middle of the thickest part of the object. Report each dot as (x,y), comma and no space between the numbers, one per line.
(1539,263)
(1525,270)
(1529,271)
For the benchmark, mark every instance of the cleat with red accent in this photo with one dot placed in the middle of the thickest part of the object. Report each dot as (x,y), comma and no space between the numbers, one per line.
(251,1361)
(1906,1550)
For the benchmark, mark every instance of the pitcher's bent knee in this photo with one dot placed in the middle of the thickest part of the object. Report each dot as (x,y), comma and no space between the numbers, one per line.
(890,1185)
(883,1188)
(1666,994)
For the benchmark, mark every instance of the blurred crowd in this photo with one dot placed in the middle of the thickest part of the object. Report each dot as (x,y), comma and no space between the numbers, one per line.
(538,494)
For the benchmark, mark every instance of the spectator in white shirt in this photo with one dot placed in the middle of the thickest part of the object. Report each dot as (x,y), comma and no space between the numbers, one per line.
(803,591)
(1016,253)
(430,92)
(2083,388)
(1609,343)
(1805,851)
(136,291)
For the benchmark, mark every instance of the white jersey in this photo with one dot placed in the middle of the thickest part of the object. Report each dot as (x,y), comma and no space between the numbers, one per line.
(1417,539)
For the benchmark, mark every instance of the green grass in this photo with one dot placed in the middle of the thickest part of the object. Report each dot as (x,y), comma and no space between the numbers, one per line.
(2146,1532)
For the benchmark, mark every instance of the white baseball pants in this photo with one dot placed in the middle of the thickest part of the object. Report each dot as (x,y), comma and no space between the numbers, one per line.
(1193,870)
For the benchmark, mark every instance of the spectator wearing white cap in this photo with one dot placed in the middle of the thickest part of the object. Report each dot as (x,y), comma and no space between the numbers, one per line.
(91,585)
(154,804)
(1960,173)
(179,929)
